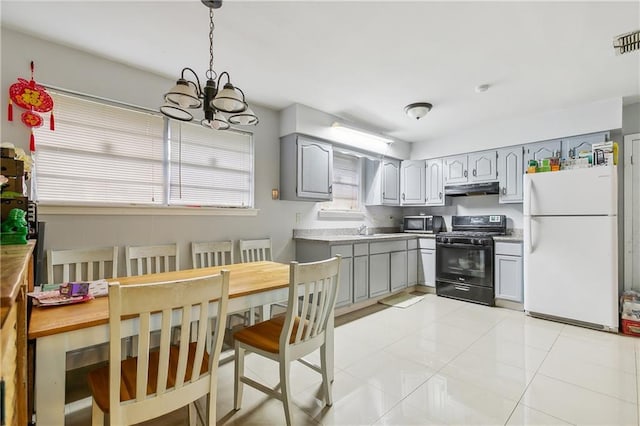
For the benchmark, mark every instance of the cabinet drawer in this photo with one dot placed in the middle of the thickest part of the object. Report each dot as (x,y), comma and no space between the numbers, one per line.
(360,249)
(388,246)
(508,249)
(427,243)
(345,250)
(412,244)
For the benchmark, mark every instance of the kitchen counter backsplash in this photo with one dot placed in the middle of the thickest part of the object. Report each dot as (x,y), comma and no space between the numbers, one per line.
(302,233)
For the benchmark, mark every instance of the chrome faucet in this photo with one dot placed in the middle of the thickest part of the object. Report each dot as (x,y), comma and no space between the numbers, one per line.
(362,230)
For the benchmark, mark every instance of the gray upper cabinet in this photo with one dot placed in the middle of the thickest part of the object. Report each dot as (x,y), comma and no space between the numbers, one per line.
(382,179)
(540,150)
(482,166)
(412,182)
(571,147)
(455,169)
(434,187)
(306,169)
(510,169)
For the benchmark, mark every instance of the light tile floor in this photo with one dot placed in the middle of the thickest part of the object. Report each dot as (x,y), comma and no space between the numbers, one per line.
(442,361)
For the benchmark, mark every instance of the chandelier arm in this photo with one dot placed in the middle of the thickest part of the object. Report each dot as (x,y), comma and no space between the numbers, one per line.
(198,86)
(220,77)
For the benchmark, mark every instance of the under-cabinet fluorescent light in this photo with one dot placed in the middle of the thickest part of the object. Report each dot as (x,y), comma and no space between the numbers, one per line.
(362,135)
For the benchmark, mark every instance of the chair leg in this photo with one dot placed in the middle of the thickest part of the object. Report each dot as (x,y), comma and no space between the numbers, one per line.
(285,369)
(211,405)
(239,373)
(193,414)
(97,416)
(326,382)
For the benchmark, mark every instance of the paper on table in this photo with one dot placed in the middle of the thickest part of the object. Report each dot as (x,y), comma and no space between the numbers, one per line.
(97,288)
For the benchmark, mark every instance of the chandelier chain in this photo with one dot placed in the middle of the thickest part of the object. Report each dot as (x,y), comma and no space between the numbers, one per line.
(211,73)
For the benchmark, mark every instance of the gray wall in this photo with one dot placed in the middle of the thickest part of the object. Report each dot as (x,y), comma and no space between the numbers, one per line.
(71,69)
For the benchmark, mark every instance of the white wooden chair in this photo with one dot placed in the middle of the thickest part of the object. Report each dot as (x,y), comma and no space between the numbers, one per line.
(81,264)
(160,381)
(255,250)
(151,259)
(289,338)
(212,253)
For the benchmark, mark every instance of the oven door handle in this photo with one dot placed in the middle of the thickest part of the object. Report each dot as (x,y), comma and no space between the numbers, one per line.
(473,246)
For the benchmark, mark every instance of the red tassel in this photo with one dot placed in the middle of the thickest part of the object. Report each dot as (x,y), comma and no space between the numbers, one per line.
(52,122)
(32,143)
(10,111)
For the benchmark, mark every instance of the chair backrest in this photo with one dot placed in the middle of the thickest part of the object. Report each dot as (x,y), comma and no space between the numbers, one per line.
(314,287)
(82,264)
(151,259)
(184,303)
(255,250)
(212,253)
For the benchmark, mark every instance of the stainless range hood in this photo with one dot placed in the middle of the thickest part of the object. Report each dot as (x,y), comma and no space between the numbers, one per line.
(466,189)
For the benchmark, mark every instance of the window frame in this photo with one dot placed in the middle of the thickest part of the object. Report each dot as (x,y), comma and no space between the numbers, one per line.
(164,207)
(326,210)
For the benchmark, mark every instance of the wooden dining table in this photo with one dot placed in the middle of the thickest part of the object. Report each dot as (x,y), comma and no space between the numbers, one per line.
(58,330)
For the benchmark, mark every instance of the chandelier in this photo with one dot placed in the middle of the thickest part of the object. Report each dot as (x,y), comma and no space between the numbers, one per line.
(221,107)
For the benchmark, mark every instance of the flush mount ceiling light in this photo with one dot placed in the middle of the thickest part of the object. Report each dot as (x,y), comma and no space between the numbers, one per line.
(625,43)
(418,110)
(221,106)
(361,134)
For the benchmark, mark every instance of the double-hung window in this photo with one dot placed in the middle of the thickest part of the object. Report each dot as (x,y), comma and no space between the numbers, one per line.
(107,154)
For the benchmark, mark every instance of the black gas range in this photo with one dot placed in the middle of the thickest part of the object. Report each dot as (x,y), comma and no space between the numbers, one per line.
(464,258)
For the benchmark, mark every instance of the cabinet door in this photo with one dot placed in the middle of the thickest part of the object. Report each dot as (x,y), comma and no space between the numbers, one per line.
(540,150)
(315,169)
(510,169)
(455,170)
(571,147)
(390,182)
(412,182)
(427,267)
(508,278)
(434,183)
(482,166)
(412,267)
(360,278)
(344,291)
(398,270)
(378,274)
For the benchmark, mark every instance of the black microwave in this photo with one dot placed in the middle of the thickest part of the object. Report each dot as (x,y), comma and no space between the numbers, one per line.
(423,224)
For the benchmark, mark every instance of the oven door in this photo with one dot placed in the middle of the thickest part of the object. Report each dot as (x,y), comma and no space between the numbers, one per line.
(465,271)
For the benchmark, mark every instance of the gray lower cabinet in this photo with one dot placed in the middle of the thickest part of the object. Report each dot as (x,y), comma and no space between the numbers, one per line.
(398,270)
(379,268)
(345,295)
(508,271)
(427,262)
(412,267)
(360,278)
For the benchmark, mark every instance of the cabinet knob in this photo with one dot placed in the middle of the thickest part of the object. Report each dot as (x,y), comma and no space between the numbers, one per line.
(465,173)
(504,190)
(474,172)
(403,196)
(330,189)
(440,195)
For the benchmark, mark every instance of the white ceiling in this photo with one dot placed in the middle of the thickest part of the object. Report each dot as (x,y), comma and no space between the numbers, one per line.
(365,60)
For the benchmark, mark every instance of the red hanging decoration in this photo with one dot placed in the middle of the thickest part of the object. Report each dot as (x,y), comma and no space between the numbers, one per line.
(52,123)
(32,142)
(34,98)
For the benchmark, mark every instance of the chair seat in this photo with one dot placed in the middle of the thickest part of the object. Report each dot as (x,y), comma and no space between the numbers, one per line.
(99,379)
(266,335)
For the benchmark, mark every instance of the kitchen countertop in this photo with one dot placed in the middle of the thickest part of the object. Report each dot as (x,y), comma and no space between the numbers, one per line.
(361,238)
(513,236)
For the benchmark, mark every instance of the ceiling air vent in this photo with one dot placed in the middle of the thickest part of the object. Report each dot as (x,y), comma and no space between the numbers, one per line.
(625,43)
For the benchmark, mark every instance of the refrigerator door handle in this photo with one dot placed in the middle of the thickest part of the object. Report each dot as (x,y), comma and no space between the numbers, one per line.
(530,245)
(529,195)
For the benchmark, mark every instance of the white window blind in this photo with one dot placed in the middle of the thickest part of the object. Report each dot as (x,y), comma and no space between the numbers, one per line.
(99,154)
(210,168)
(346,183)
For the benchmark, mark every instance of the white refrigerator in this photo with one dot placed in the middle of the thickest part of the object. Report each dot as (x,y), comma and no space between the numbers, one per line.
(571,246)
